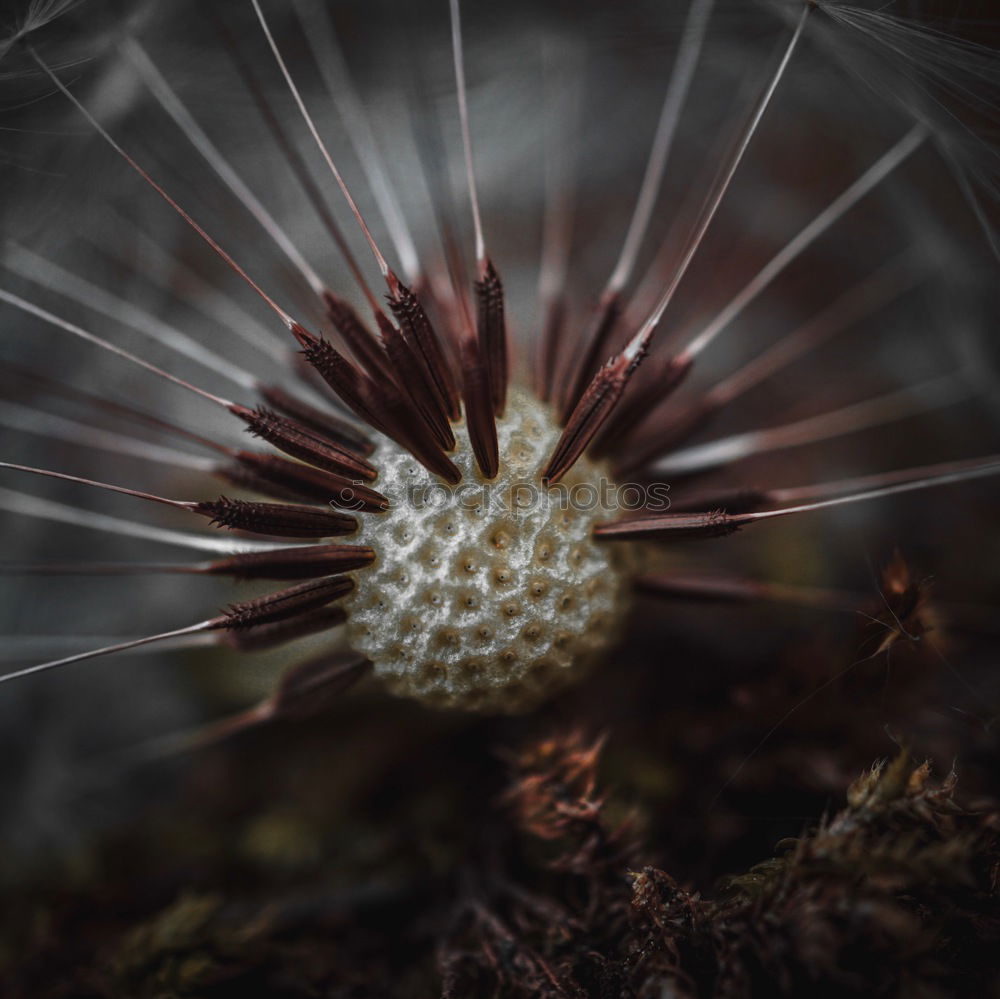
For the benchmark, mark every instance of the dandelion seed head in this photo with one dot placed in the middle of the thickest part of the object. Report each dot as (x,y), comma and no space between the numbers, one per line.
(803,278)
(492,595)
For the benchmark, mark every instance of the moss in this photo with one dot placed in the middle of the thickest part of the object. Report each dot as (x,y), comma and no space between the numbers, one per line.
(552,887)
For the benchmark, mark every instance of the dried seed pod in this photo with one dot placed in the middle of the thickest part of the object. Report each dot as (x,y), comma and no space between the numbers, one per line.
(287,604)
(491,331)
(417,328)
(294,563)
(275,633)
(300,442)
(276,476)
(310,687)
(327,425)
(283,520)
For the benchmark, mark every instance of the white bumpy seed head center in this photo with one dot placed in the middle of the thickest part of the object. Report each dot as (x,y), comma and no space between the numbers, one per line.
(489,595)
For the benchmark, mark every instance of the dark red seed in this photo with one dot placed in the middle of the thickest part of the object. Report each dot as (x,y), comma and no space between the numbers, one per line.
(478,396)
(348,382)
(417,386)
(269,636)
(288,603)
(641,403)
(362,343)
(326,424)
(595,339)
(310,687)
(381,404)
(301,442)
(283,520)
(294,563)
(419,332)
(276,476)
(670,527)
(597,404)
(491,328)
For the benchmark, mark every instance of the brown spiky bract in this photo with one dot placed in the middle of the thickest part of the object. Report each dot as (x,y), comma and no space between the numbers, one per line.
(479,411)
(416,325)
(596,342)
(589,415)
(671,526)
(320,422)
(275,476)
(299,441)
(491,330)
(286,604)
(276,519)
(368,351)
(294,563)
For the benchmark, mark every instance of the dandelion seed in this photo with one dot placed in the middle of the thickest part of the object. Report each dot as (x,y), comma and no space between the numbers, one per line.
(487,546)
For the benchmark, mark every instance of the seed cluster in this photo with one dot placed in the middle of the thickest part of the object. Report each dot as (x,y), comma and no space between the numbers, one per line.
(492,596)
(492,559)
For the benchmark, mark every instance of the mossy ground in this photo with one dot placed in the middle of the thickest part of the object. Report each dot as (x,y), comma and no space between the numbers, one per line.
(591,849)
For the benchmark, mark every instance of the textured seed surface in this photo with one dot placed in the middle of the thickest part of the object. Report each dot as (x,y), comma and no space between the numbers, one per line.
(492,595)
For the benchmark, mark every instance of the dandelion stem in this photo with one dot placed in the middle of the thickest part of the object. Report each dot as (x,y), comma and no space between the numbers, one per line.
(68,327)
(966,473)
(676,424)
(863,483)
(490,320)
(101,403)
(295,160)
(816,228)
(107,650)
(33,421)
(174,107)
(103,132)
(673,102)
(51,276)
(123,490)
(560,165)
(43,509)
(463,116)
(609,306)
(945,390)
(329,57)
(721,187)
(887,283)
(314,132)
(100,568)
(731,588)
(585,416)
(719,523)
(199,293)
